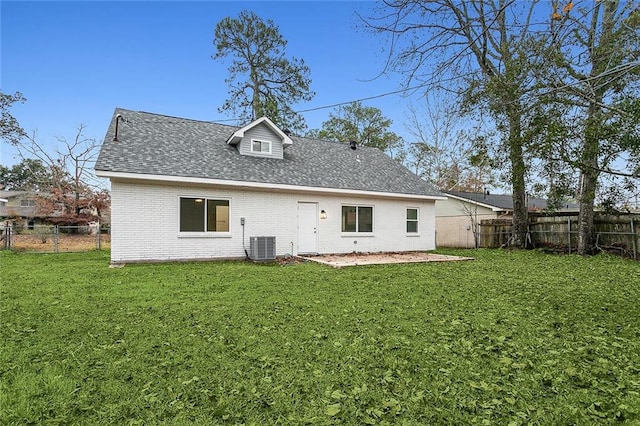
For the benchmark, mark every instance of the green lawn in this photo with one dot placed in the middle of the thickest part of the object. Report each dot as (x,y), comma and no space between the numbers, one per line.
(510,338)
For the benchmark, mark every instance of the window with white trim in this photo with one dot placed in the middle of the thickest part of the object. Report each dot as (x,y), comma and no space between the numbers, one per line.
(204,215)
(412,220)
(260,147)
(357,219)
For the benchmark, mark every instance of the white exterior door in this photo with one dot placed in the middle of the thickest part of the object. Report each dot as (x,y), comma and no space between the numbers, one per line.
(307,228)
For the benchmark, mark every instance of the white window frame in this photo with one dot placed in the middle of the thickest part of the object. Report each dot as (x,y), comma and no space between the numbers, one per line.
(204,233)
(357,231)
(416,220)
(270,144)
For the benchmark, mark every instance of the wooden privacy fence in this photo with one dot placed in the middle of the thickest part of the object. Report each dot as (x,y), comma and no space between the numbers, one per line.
(614,233)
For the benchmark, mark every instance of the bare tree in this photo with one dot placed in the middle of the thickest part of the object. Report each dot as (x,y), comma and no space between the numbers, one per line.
(471,211)
(73,195)
(444,152)
(482,47)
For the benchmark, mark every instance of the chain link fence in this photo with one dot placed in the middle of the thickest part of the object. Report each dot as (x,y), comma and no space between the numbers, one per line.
(54,238)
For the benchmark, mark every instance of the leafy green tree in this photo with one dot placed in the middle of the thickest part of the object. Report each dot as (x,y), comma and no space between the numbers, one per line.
(262,80)
(27,175)
(593,74)
(367,126)
(71,194)
(10,130)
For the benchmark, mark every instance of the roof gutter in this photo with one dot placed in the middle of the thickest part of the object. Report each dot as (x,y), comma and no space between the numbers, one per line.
(262,185)
(468,200)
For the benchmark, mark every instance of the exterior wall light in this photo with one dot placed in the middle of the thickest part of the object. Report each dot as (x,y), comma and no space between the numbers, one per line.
(323,214)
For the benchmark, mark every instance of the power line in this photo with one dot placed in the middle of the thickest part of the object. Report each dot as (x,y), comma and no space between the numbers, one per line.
(432,78)
(368,98)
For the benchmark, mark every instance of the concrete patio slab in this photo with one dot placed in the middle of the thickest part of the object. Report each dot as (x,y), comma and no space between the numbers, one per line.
(359,259)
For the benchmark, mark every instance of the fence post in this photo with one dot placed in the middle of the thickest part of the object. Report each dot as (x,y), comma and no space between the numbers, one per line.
(569,233)
(55,239)
(634,241)
(6,242)
(98,236)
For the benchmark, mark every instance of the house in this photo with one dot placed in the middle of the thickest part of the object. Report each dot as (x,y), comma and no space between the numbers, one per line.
(184,189)
(459,215)
(29,209)
(19,207)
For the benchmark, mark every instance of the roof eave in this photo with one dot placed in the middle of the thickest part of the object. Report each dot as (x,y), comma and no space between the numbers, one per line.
(468,200)
(237,136)
(262,185)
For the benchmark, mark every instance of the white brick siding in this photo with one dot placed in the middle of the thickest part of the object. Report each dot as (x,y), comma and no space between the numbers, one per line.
(145,223)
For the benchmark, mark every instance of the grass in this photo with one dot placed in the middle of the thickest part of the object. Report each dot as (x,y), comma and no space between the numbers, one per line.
(510,338)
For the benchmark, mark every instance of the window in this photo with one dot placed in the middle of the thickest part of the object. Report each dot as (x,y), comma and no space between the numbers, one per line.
(200,215)
(412,220)
(263,147)
(27,203)
(357,219)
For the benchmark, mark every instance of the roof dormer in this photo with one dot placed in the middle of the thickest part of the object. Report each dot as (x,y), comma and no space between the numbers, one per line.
(260,138)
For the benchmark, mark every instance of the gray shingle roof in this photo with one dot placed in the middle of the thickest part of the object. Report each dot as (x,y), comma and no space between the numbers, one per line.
(503,201)
(161,145)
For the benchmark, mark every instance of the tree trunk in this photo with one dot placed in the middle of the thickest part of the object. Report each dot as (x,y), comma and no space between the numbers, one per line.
(586,238)
(520,219)
(588,183)
(600,57)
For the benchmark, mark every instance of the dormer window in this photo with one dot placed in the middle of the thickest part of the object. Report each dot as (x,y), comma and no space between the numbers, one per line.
(260,147)
(260,138)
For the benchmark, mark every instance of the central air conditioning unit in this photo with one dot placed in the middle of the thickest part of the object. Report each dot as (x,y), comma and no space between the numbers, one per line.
(262,248)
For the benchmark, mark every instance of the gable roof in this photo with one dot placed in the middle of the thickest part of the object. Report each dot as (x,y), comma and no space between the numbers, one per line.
(159,147)
(499,202)
(7,194)
(239,134)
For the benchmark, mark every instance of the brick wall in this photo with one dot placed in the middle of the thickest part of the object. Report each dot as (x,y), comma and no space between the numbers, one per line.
(145,223)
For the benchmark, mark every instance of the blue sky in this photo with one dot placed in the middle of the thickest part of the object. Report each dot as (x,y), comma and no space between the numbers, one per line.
(77,61)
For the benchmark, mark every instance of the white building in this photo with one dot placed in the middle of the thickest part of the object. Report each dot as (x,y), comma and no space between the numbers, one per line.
(185,189)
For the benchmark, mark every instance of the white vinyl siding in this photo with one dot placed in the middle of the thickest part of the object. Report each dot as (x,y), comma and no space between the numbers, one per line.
(264,134)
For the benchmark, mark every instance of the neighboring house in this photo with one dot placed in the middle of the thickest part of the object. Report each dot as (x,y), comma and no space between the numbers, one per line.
(459,215)
(185,189)
(19,207)
(23,210)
